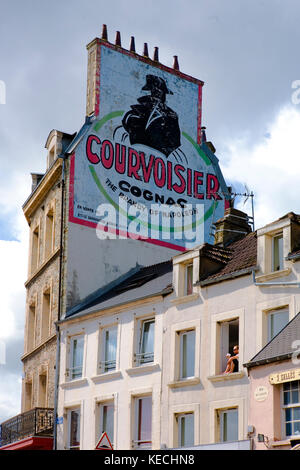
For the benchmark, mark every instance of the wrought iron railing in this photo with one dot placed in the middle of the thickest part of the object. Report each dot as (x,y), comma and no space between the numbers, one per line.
(144,358)
(35,422)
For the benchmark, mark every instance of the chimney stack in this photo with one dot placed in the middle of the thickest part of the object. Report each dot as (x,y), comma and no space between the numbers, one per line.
(232,227)
(155,55)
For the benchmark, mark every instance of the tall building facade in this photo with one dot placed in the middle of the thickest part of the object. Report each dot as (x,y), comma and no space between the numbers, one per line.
(140,144)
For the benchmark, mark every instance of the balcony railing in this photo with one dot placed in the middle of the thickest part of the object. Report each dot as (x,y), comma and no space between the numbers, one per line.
(35,422)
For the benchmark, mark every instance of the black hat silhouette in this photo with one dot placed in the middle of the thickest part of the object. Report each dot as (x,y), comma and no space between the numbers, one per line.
(153,82)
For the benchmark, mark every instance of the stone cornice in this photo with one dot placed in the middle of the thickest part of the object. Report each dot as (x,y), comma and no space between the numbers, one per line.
(45,185)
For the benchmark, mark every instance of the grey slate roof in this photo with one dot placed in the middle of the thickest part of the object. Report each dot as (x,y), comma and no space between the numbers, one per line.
(142,282)
(280,347)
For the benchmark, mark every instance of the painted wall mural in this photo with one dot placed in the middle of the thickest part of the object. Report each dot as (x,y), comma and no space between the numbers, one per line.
(140,170)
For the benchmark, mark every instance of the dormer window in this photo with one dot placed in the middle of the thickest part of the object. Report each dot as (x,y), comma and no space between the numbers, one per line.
(186,269)
(189,279)
(274,243)
(277,252)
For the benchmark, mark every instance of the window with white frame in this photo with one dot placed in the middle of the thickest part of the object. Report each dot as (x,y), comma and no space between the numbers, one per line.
(229,338)
(143,422)
(291,408)
(145,352)
(76,357)
(185,427)
(106,420)
(228,425)
(108,358)
(73,421)
(187,354)
(277,252)
(189,279)
(277,319)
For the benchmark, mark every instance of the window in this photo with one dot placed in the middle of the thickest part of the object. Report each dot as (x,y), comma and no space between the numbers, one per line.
(185,429)
(291,406)
(107,420)
(277,319)
(46,309)
(49,233)
(146,342)
(143,423)
(73,429)
(28,395)
(229,339)
(228,425)
(43,390)
(109,349)
(76,357)
(189,279)
(187,354)
(277,253)
(35,250)
(31,328)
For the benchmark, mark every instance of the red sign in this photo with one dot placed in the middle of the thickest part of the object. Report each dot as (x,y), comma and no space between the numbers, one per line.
(104,443)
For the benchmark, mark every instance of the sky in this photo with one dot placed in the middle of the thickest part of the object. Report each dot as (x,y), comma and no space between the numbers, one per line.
(246,52)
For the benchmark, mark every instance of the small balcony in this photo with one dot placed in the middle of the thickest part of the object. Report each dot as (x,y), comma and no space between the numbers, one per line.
(37,423)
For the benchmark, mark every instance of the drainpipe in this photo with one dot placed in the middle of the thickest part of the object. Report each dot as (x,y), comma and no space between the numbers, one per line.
(57,362)
(273,283)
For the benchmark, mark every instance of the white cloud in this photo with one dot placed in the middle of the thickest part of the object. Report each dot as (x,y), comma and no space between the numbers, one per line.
(10,396)
(270,167)
(13,255)
(14,258)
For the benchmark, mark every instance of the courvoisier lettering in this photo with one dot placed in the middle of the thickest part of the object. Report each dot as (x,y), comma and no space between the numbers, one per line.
(137,165)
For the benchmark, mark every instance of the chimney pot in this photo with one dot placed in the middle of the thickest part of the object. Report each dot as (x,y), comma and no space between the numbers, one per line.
(155,55)
(175,64)
(118,39)
(132,44)
(104,32)
(145,53)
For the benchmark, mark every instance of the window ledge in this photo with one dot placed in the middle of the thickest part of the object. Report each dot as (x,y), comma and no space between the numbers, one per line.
(106,376)
(74,383)
(184,382)
(273,275)
(42,266)
(185,299)
(142,369)
(285,442)
(231,376)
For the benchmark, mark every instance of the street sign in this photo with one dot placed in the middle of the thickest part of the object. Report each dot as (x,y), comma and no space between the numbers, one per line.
(104,443)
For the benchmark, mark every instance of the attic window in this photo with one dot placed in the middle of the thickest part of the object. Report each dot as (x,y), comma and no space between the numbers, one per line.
(277,252)
(189,279)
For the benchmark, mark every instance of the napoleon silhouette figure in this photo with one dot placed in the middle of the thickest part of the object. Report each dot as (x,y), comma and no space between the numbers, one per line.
(151,122)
